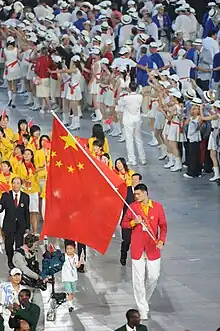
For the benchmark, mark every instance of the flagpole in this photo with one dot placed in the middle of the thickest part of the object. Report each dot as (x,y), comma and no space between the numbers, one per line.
(102,173)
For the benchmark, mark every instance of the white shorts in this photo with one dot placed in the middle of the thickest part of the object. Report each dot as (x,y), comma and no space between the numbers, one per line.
(212,144)
(34,203)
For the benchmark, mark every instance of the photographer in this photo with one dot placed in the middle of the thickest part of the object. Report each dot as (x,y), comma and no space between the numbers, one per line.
(25,310)
(25,259)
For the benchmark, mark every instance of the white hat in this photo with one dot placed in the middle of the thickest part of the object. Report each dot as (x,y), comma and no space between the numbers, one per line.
(97,7)
(109,42)
(181,8)
(197,42)
(212,12)
(131,3)
(131,10)
(209,95)
(95,51)
(2,3)
(30,17)
(32,38)
(192,10)
(129,42)
(10,39)
(126,19)
(15,271)
(174,77)
(56,58)
(190,94)
(103,12)
(50,17)
(28,28)
(104,60)
(87,22)
(64,5)
(196,101)
(165,73)
(212,4)
(86,39)
(216,104)
(181,53)
(85,33)
(186,6)
(108,3)
(141,26)
(21,25)
(123,50)
(77,49)
(71,1)
(159,5)
(153,45)
(102,17)
(18,7)
(66,25)
(165,84)
(75,58)
(87,4)
(104,26)
(103,4)
(143,37)
(97,38)
(65,36)
(134,16)
(160,45)
(176,93)
(181,2)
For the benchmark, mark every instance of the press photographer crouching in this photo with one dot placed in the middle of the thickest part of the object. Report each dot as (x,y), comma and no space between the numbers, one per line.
(25,258)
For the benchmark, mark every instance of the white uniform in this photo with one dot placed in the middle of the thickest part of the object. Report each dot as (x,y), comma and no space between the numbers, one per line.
(12,66)
(74,91)
(183,23)
(131,105)
(63,17)
(175,131)
(212,145)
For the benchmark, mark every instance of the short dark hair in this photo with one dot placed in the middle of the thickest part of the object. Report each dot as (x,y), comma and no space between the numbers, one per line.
(79,13)
(8,164)
(26,136)
(212,33)
(34,129)
(106,155)
(6,116)
(133,86)
(26,292)
(144,50)
(70,243)
(137,174)
(130,313)
(97,143)
(16,178)
(141,187)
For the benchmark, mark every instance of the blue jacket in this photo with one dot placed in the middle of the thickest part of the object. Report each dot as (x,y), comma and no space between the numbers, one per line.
(209,27)
(216,63)
(190,55)
(141,75)
(157,59)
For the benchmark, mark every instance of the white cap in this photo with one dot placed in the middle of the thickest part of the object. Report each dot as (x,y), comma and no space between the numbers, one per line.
(77,49)
(190,94)
(75,58)
(212,4)
(65,36)
(176,93)
(196,101)
(216,104)
(85,33)
(165,73)
(134,15)
(126,19)
(159,5)
(192,10)
(141,26)
(165,84)
(131,2)
(10,39)
(153,45)
(104,60)
(87,4)
(123,50)
(66,25)
(181,53)
(15,271)
(97,7)
(64,5)
(109,42)
(143,37)
(104,26)
(87,22)
(95,51)
(131,10)
(174,77)
(71,1)
(212,12)
(30,16)
(97,38)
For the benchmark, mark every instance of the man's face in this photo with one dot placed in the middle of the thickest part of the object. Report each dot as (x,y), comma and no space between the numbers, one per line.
(23,298)
(140,196)
(161,11)
(135,319)
(135,180)
(16,279)
(16,185)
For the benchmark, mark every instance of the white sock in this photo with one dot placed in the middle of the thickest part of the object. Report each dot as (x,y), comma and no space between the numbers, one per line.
(10,93)
(13,98)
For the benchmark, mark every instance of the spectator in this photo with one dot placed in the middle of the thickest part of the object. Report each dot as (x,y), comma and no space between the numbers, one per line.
(25,310)
(210,43)
(80,20)
(133,322)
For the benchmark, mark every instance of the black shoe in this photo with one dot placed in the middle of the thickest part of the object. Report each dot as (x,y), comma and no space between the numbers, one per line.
(123,261)
(10,265)
(81,269)
(10,102)
(71,309)
(13,106)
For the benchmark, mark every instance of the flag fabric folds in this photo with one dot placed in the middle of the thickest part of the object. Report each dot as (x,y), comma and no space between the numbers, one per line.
(80,203)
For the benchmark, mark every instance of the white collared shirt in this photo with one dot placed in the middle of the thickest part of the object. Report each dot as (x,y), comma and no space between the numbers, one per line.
(130,329)
(18,196)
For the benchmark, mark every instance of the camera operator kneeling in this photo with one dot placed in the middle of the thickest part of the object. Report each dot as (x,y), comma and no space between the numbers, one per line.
(26,260)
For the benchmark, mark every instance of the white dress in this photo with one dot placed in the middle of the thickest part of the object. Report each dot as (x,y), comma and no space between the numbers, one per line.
(74,91)
(12,65)
(175,132)
(94,88)
(25,62)
(65,80)
(212,144)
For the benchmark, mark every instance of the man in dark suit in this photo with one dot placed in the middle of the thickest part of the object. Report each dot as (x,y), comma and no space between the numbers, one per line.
(17,217)
(126,233)
(25,311)
(133,322)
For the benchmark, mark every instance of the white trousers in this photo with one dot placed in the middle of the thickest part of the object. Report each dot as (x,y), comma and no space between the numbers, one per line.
(144,283)
(133,133)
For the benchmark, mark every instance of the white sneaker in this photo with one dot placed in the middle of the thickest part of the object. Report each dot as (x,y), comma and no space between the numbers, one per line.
(213,179)
(143,162)
(169,165)
(121,139)
(132,163)
(187,176)
(42,111)
(153,143)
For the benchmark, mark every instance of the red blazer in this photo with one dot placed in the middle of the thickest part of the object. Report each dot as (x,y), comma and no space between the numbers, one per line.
(140,240)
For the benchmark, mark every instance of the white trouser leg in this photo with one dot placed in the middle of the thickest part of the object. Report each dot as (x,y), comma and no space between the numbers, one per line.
(129,138)
(139,141)
(138,282)
(43,208)
(153,273)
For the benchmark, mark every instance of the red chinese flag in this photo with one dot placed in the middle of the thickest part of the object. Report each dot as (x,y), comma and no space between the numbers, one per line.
(80,203)
(4,114)
(4,187)
(30,124)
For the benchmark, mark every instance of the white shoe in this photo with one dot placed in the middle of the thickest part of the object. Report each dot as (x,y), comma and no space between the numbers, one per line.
(153,143)
(42,111)
(216,174)
(213,179)
(132,163)
(29,101)
(143,162)
(187,176)
(98,116)
(177,167)
(75,124)
(163,150)
(121,139)
(170,164)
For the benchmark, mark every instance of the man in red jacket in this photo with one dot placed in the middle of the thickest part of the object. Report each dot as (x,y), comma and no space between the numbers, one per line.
(145,252)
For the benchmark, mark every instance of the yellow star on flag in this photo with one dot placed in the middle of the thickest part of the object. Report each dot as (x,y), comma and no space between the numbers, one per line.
(53,154)
(70,142)
(80,166)
(70,169)
(59,164)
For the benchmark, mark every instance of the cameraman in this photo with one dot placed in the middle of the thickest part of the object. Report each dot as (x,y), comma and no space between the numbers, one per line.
(25,258)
